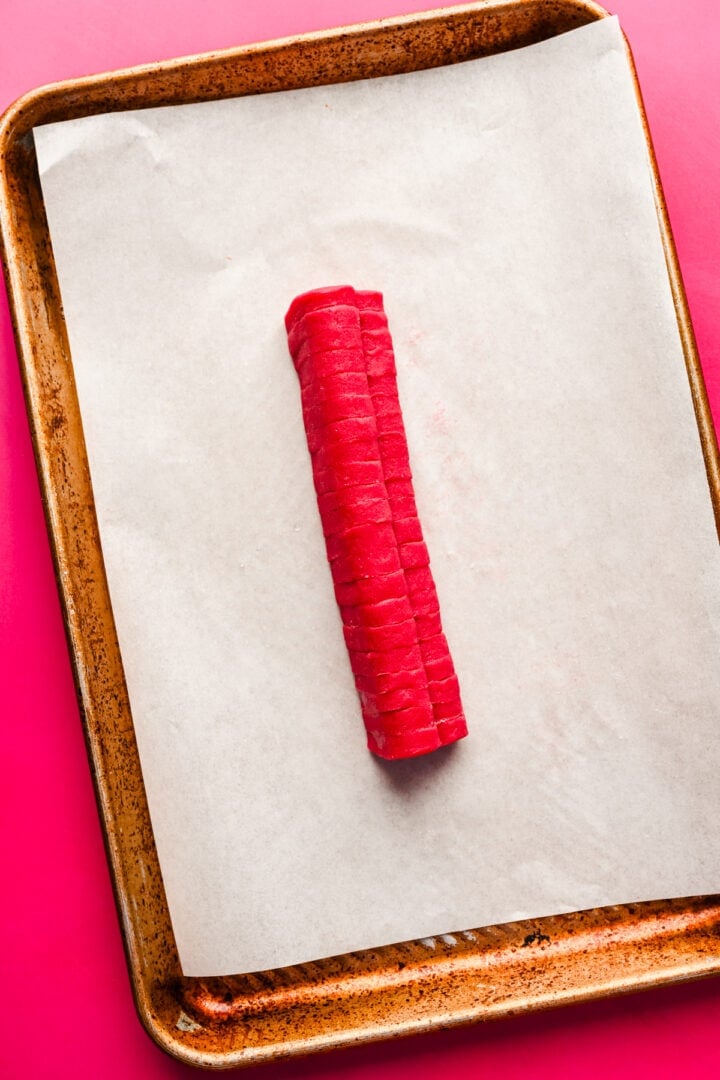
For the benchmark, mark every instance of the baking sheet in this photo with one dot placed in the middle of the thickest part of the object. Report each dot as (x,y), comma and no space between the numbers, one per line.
(504,207)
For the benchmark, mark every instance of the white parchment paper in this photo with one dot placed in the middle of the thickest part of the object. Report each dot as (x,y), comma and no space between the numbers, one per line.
(504,207)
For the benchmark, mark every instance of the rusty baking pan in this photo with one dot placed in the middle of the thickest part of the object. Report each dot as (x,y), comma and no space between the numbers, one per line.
(474,975)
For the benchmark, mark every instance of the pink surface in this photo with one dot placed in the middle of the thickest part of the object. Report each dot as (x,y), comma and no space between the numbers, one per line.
(65,997)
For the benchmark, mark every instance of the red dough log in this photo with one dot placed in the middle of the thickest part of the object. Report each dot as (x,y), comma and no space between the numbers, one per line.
(342,351)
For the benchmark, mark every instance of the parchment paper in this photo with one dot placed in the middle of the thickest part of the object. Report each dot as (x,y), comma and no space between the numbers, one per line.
(504,207)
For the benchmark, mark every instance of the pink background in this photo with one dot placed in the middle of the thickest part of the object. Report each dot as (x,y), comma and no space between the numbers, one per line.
(65,998)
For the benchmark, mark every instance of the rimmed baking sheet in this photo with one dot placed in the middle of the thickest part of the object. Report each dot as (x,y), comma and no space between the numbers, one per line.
(96,630)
